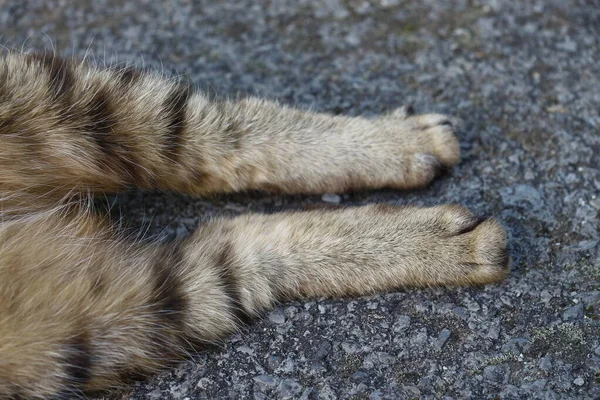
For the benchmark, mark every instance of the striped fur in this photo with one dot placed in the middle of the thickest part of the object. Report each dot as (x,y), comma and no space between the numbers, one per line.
(82,308)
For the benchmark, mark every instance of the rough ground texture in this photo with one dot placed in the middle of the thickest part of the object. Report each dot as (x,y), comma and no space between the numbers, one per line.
(524,78)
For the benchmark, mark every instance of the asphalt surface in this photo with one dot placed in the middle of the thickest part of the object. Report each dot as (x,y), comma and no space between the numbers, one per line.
(525,79)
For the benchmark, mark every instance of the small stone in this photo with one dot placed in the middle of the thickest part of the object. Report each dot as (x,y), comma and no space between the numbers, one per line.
(557,108)
(326,393)
(474,306)
(351,348)
(420,339)
(331,198)
(203,383)
(352,39)
(323,349)
(493,333)
(521,194)
(360,376)
(568,45)
(317,368)
(509,392)
(378,359)
(516,346)
(591,298)
(376,395)
(289,388)
(579,381)
(535,386)
(545,296)
(155,394)
(245,349)
(310,394)
(443,337)
(495,373)
(461,312)
(587,245)
(277,316)
(546,363)
(529,175)
(430,383)
(573,313)
(266,380)
(402,322)
(412,391)
(273,361)
(181,232)
(287,367)
(389,3)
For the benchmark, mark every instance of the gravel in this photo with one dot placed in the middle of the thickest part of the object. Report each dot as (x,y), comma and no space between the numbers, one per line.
(523,78)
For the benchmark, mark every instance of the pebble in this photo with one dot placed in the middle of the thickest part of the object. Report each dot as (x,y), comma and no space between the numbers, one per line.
(277,316)
(289,388)
(545,363)
(323,349)
(267,380)
(443,337)
(516,346)
(310,394)
(402,322)
(495,373)
(573,313)
(331,198)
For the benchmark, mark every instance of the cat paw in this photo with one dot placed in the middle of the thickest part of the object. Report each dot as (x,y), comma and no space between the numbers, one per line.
(436,135)
(484,257)
(427,145)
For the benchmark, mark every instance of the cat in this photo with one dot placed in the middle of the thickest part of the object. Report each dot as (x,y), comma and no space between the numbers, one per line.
(83,308)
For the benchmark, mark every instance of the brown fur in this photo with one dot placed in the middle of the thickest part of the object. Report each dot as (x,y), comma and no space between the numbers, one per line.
(82,308)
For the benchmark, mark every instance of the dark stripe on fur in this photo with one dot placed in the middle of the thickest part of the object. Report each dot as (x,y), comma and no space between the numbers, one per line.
(504,259)
(99,286)
(231,285)
(170,302)
(62,80)
(60,72)
(98,128)
(474,223)
(15,393)
(175,110)
(100,125)
(78,364)
(168,307)
(8,125)
(322,207)
(101,119)
(233,131)
(128,76)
